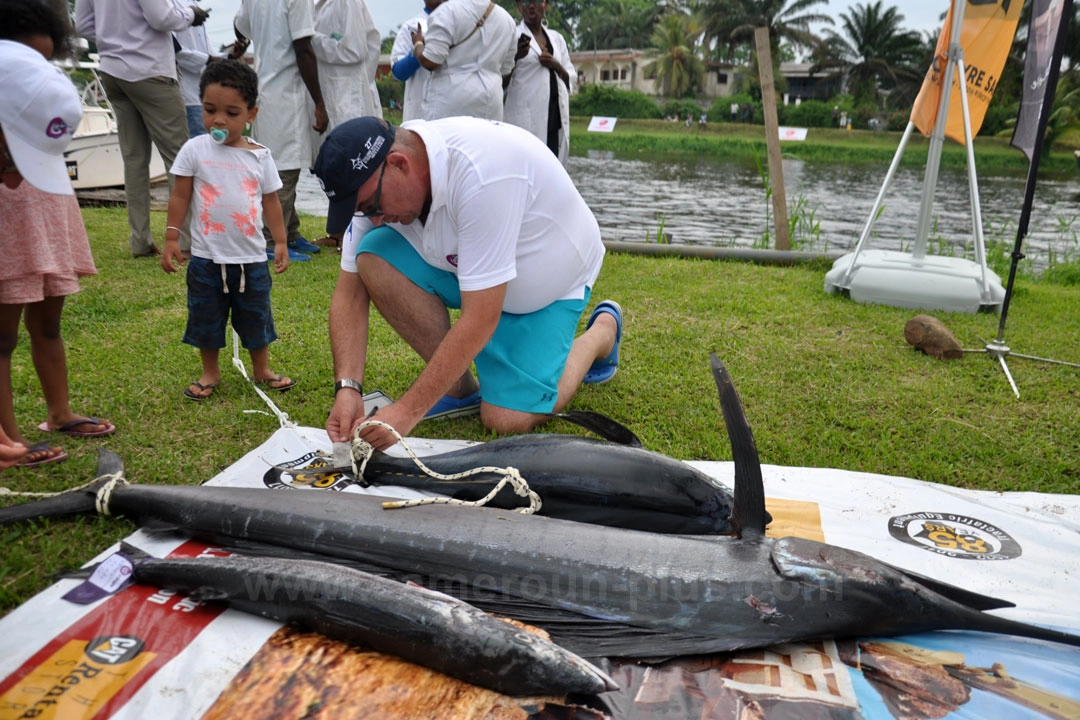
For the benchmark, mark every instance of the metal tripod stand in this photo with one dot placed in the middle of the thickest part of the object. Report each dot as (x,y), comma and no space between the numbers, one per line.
(1049,45)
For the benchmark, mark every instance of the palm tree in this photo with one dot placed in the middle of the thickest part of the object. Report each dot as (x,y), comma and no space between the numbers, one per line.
(615,24)
(787,20)
(676,55)
(873,51)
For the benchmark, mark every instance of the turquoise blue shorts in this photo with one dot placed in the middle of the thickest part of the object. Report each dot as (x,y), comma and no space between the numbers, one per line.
(521,364)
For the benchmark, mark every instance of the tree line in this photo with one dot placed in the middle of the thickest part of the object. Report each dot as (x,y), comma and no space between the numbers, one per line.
(881,61)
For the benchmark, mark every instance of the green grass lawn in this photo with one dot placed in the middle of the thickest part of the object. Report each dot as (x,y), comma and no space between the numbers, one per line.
(826,383)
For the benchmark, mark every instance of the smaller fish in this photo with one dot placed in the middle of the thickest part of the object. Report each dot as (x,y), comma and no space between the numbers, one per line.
(600,482)
(422,626)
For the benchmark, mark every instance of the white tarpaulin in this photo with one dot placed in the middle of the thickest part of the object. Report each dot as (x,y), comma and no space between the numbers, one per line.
(145,653)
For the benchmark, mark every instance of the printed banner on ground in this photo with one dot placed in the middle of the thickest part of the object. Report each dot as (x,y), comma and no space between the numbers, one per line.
(146,653)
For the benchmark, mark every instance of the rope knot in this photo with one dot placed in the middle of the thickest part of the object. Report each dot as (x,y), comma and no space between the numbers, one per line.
(362,451)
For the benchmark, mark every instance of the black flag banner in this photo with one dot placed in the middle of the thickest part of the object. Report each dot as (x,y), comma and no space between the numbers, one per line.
(1046,38)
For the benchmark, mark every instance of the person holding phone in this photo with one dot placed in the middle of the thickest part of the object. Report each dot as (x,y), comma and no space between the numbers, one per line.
(468,47)
(539,86)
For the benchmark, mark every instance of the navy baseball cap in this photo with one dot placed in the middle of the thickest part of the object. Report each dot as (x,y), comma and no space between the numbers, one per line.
(349,156)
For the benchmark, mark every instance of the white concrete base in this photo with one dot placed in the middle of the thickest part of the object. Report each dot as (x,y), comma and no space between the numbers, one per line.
(888,277)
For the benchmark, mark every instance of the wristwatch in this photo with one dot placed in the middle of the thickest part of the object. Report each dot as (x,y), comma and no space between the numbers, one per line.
(348,383)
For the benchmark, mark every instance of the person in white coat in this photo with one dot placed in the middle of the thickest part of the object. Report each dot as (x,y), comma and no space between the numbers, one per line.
(347,45)
(281,32)
(540,85)
(406,68)
(468,47)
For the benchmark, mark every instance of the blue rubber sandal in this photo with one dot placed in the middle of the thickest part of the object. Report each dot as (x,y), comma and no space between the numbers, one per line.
(451,407)
(604,369)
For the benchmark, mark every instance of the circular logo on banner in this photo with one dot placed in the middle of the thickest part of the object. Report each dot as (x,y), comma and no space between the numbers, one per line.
(308,471)
(956,536)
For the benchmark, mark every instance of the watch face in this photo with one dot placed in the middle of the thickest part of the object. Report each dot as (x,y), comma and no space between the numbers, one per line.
(348,383)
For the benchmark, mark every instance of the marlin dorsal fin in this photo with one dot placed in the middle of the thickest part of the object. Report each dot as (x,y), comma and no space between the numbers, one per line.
(748,515)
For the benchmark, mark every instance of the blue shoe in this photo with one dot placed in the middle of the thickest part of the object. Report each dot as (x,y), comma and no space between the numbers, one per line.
(301,244)
(294,256)
(451,407)
(604,369)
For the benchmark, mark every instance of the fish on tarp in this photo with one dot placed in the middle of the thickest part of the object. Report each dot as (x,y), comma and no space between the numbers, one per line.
(601,591)
(612,481)
(577,478)
(422,626)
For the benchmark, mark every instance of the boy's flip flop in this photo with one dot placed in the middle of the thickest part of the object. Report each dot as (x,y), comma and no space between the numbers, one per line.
(70,428)
(277,378)
(605,368)
(195,396)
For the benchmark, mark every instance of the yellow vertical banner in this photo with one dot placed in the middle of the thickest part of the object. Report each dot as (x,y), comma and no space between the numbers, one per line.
(986,36)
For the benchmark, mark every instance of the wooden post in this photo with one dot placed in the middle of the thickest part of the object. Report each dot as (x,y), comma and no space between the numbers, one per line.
(772,137)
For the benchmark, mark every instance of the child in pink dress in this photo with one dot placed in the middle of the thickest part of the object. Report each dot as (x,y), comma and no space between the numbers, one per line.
(43,243)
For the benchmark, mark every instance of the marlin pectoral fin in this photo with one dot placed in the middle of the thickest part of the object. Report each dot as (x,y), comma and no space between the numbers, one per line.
(205,594)
(153,526)
(748,515)
(602,425)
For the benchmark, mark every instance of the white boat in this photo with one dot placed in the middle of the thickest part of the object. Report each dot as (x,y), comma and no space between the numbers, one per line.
(93,158)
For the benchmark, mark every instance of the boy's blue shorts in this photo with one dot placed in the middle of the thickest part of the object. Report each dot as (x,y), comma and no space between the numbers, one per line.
(209,306)
(521,364)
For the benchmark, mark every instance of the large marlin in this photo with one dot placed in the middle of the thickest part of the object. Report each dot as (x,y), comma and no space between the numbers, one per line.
(601,591)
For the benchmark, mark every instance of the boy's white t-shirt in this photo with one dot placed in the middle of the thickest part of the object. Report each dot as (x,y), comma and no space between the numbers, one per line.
(226,203)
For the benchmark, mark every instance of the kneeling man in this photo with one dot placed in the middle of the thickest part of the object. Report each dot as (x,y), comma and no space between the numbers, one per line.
(471,214)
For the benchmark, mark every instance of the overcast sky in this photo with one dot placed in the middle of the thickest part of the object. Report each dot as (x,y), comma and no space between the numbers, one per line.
(389,14)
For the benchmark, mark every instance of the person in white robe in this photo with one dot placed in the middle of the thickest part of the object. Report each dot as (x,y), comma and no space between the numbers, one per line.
(281,33)
(406,68)
(468,47)
(347,45)
(541,82)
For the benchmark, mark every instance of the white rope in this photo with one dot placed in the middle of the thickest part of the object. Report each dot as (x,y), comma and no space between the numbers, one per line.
(104,495)
(362,451)
(283,418)
(114,479)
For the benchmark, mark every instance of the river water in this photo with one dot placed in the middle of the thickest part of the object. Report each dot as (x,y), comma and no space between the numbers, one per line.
(705,201)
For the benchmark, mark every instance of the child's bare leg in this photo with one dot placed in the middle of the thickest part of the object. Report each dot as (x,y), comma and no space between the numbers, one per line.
(211,373)
(10,316)
(260,368)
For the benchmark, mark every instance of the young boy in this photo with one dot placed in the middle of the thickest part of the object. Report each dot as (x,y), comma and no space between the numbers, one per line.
(233,183)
